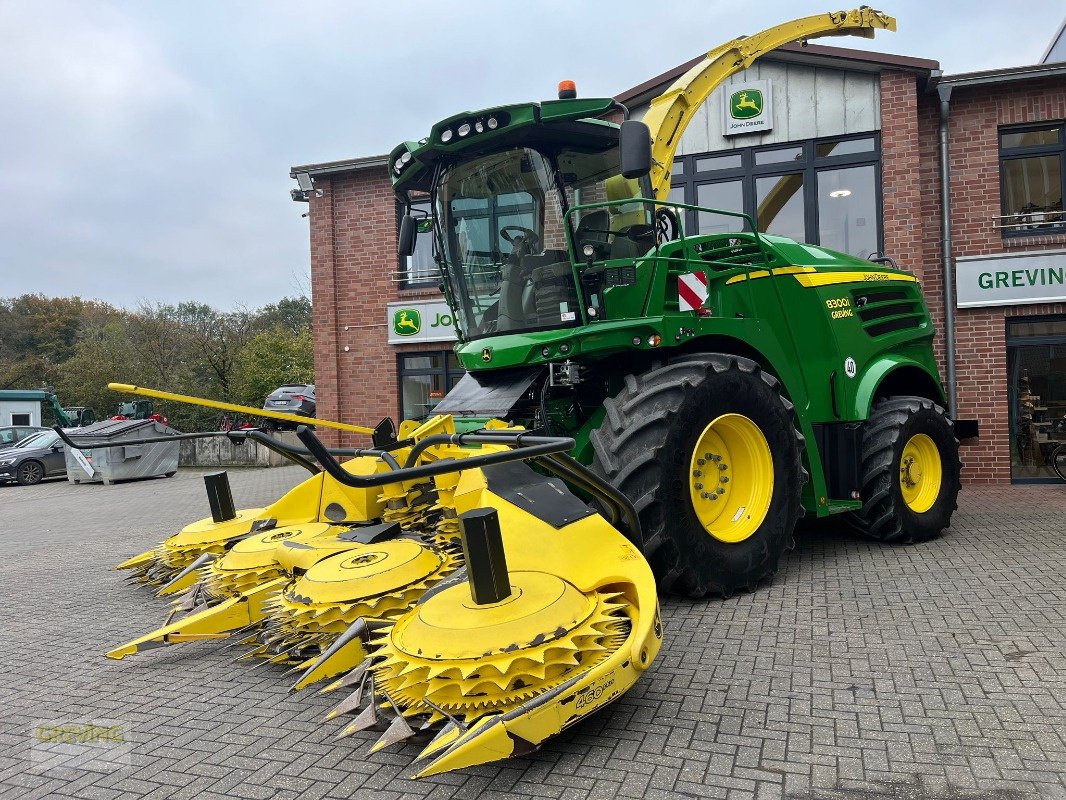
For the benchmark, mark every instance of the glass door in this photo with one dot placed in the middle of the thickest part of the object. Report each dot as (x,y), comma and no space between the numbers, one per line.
(1036,379)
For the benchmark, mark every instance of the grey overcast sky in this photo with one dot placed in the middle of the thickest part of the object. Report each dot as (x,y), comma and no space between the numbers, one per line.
(145,146)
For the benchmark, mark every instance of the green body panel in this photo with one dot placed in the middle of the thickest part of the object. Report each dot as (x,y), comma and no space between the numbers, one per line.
(831,327)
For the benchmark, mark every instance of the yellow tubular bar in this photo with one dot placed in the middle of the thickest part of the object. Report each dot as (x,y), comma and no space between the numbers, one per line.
(671,112)
(249,410)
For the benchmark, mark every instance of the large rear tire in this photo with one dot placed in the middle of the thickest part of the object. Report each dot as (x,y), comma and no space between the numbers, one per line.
(910,472)
(707,450)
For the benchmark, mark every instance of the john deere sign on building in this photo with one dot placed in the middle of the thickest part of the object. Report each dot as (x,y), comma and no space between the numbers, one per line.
(1010,279)
(747,108)
(420,322)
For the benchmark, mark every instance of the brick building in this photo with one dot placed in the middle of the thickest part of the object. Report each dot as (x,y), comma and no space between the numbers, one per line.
(849,144)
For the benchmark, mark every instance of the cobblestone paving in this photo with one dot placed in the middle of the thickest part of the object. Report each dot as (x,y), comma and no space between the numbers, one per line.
(862,671)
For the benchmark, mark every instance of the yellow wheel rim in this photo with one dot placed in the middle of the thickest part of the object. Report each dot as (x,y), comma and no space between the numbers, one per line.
(731,478)
(920,473)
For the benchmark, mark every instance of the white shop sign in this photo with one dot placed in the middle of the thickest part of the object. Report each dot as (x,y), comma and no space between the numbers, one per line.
(1009,279)
(426,321)
(747,108)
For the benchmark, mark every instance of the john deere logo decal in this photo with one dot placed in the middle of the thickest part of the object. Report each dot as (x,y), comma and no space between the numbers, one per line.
(406,322)
(745,104)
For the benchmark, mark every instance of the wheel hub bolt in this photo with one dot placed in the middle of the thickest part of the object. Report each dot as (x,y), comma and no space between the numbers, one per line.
(724,479)
(721,490)
(699,485)
(723,466)
(704,495)
(700,462)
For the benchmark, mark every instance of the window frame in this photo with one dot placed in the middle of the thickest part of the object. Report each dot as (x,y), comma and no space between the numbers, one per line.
(450,376)
(1031,151)
(810,165)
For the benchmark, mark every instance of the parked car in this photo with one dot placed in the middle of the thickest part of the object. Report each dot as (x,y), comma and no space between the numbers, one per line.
(11,435)
(292,398)
(33,459)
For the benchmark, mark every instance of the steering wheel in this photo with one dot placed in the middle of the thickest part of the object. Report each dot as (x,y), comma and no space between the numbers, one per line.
(667,225)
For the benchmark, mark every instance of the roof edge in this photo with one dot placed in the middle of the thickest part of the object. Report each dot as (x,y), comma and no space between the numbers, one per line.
(797,53)
(1005,74)
(338,167)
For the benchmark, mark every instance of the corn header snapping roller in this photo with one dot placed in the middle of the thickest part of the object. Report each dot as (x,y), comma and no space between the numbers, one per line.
(642,408)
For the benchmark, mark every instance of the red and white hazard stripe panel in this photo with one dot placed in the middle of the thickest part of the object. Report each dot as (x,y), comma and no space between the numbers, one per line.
(692,291)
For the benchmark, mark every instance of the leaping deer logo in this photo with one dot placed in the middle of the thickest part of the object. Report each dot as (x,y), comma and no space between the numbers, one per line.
(746,104)
(407,322)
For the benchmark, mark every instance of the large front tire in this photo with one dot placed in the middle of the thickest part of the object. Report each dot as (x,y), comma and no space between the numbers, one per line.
(910,472)
(707,450)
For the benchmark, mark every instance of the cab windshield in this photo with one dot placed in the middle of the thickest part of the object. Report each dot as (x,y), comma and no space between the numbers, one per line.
(500,219)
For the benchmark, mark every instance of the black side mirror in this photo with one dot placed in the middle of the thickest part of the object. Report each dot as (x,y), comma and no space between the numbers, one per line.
(406,241)
(634,148)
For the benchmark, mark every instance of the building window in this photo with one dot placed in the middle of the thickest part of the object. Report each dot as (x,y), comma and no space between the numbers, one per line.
(419,271)
(821,191)
(424,380)
(1032,179)
(20,419)
(1036,372)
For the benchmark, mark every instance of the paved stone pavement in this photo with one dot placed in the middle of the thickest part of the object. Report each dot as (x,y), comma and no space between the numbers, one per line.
(863,671)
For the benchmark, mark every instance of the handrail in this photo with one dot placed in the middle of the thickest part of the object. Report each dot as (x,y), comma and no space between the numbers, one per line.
(547,451)
(764,248)
(670,113)
(524,446)
(621,512)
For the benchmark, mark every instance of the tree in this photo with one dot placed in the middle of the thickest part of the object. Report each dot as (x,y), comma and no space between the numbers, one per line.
(272,358)
(79,346)
(102,355)
(290,313)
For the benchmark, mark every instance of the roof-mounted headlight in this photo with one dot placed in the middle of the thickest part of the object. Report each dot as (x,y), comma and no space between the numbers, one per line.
(446,135)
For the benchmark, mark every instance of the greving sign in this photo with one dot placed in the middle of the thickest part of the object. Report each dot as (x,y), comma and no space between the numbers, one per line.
(1009,279)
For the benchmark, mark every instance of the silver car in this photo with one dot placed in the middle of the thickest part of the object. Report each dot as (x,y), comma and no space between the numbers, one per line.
(292,398)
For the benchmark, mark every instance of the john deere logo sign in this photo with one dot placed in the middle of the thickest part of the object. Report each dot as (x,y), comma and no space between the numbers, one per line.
(747,108)
(406,322)
(746,104)
(425,321)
